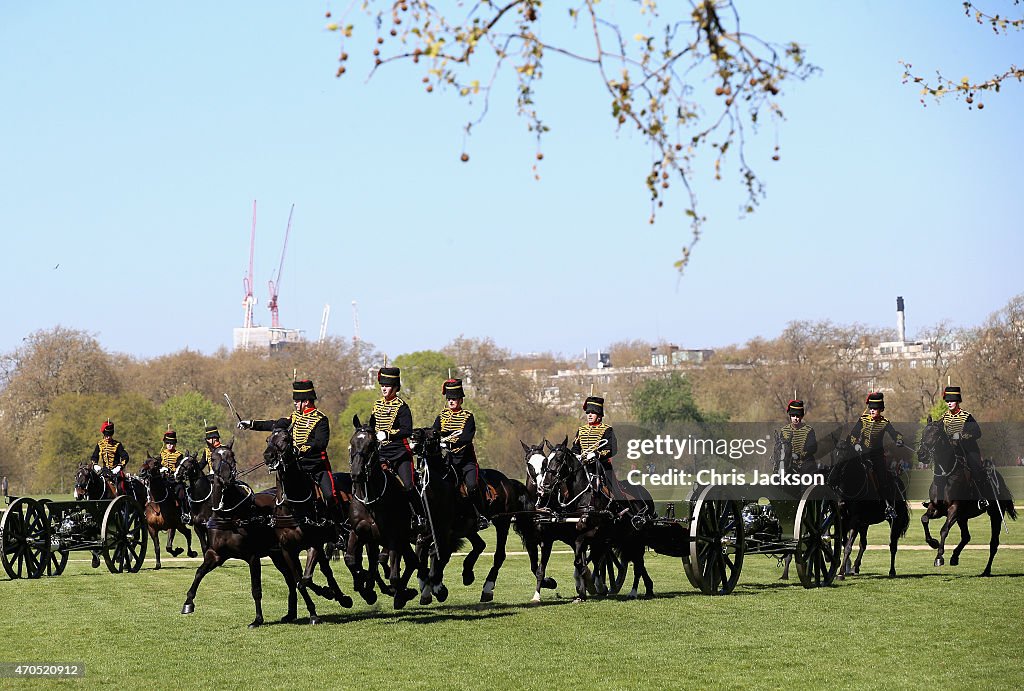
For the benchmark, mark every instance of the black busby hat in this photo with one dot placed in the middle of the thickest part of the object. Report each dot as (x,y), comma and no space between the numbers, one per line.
(876,401)
(212,432)
(107,427)
(795,407)
(303,391)
(452,388)
(170,437)
(390,376)
(594,404)
(952,393)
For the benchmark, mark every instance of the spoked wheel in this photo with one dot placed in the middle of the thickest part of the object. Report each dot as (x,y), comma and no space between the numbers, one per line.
(819,537)
(58,557)
(124,536)
(25,534)
(715,556)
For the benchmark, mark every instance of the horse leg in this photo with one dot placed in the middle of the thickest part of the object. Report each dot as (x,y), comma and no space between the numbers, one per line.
(401,551)
(894,538)
(379,559)
(861,548)
(580,562)
(256,585)
(211,560)
(469,562)
(154,538)
(965,537)
(928,515)
(170,543)
(188,540)
(325,566)
(531,544)
(785,567)
(291,561)
(292,613)
(951,516)
(442,555)
(542,565)
(362,582)
(500,540)
(995,516)
(423,573)
(648,581)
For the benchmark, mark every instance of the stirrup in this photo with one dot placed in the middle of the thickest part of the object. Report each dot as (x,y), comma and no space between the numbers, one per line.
(890,512)
(482,523)
(983,503)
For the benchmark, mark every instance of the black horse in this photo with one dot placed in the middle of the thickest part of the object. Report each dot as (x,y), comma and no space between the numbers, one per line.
(380,517)
(861,505)
(240,528)
(91,485)
(162,510)
(954,494)
(295,517)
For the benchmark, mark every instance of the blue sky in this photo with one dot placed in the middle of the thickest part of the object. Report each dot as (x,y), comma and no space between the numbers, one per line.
(135,138)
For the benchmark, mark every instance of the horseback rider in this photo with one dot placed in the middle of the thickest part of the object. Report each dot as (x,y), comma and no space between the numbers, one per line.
(867,436)
(109,457)
(169,459)
(803,444)
(963,430)
(311,433)
(595,443)
(212,444)
(392,420)
(457,422)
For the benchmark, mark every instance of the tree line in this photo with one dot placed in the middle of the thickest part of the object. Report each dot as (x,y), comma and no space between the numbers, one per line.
(60,385)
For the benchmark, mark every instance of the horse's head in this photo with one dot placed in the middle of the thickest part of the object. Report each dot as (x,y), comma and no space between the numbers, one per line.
(150,469)
(559,468)
(934,442)
(223,463)
(535,458)
(189,468)
(426,443)
(362,448)
(280,447)
(84,476)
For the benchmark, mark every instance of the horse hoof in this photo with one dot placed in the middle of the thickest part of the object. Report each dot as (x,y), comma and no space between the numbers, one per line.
(549,583)
(188,608)
(939,561)
(441,593)
(175,552)
(892,573)
(784,577)
(954,561)
(288,618)
(649,595)
(631,596)
(985,574)
(345,601)
(856,570)
(256,623)
(193,554)
(370,597)
(579,600)
(841,577)
(314,620)
(426,598)
(468,577)
(486,596)
(157,567)
(536,599)
(399,602)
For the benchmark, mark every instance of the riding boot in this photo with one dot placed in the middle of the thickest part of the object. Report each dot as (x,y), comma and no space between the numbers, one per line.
(416,504)
(481,511)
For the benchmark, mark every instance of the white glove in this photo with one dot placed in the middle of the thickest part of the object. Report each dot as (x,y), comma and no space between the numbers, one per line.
(382,435)
(116,470)
(858,448)
(591,456)
(164,469)
(956,436)
(97,468)
(245,424)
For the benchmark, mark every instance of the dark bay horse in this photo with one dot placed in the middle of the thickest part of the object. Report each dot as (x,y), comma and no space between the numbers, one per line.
(240,528)
(295,516)
(162,510)
(861,505)
(90,485)
(954,495)
(380,517)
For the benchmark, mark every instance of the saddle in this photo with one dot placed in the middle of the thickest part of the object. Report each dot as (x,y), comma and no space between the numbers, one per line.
(489,492)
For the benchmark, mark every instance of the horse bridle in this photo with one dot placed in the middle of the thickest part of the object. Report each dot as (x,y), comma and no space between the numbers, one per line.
(367,465)
(145,475)
(279,452)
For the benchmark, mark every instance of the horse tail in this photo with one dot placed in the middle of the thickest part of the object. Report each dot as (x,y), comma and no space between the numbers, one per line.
(1006,498)
(1007,505)
(903,519)
(521,502)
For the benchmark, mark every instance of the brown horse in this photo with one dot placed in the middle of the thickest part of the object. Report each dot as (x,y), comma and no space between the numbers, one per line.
(954,495)
(162,510)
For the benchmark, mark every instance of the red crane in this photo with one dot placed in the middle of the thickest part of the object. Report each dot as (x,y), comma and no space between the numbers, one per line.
(275,283)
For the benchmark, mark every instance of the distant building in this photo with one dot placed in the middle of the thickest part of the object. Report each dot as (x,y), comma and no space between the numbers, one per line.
(672,356)
(266,338)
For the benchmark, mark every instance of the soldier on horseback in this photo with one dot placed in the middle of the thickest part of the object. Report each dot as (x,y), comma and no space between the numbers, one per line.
(169,459)
(456,422)
(212,444)
(392,420)
(109,456)
(963,430)
(867,437)
(311,433)
(595,444)
(803,444)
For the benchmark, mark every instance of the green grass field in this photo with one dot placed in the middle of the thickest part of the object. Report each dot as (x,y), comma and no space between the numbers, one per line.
(934,627)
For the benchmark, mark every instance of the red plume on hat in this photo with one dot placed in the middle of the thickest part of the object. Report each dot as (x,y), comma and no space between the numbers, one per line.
(107,424)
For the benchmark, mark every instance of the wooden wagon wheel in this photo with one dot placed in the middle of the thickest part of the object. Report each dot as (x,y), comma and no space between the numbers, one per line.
(58,558)
(610,568)
(25,533)
(715,556)
(124,536)
(819,537)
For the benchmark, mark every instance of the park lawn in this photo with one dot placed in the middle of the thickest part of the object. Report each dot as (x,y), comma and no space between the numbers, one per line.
(926,627)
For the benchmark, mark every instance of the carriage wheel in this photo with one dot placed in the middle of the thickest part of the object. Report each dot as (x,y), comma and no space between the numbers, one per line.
(124,535)
(611,568)
(59,557)
(25,533)
(819,537)
(715,555)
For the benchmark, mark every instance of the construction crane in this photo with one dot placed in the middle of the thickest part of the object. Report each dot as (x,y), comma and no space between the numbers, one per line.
(323,325)
(275,283)
(355,322)
(249,300)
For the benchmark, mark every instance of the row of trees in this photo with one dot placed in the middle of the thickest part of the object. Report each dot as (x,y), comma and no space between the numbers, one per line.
(58,388)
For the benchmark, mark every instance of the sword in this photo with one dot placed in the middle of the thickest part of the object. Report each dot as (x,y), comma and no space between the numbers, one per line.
(232,407)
